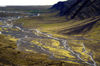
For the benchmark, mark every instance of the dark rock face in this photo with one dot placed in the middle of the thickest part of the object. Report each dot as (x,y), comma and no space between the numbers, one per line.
(58,6)
(63,4)
(78,8)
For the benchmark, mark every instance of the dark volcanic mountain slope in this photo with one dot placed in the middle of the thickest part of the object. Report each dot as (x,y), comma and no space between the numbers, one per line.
(78,8)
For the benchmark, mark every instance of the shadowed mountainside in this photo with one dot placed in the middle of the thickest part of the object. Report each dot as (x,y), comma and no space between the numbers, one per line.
(78,8)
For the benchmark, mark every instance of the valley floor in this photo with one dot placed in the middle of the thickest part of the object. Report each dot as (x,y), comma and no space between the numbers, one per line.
(81,35)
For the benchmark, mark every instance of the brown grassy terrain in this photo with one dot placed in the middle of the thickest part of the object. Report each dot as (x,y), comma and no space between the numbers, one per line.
(75,31)
(10,56)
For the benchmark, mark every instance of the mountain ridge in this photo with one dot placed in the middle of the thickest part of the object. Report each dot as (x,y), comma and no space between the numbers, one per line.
(78,8)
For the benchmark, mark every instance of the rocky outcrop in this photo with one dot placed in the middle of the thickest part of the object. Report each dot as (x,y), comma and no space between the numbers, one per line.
(78,8)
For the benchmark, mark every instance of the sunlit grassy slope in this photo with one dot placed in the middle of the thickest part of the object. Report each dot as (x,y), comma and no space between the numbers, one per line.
(59,25)
(75,31)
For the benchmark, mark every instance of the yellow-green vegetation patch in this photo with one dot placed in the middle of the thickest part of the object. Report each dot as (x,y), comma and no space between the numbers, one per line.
(83,54)
(14,29)
(55,43)
(94,46)
(0,29)
(11,38)
(28,50)
(58,51)
(80,46)
(1,23)
(5,28)
(47,42)
(53,46)
(10,56)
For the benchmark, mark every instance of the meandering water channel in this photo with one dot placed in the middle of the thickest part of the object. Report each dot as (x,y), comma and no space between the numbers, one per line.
(25,37)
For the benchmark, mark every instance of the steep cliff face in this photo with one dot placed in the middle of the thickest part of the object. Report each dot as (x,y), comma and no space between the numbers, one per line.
(78,8)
